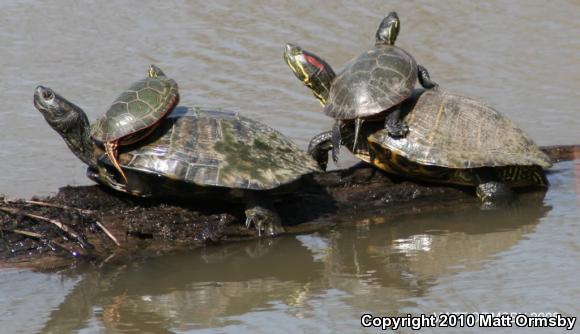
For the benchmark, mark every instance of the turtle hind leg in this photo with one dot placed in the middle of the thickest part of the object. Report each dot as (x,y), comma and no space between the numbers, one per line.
(260,213)
(319,146)
(111,149)
(425,78)
(395,126)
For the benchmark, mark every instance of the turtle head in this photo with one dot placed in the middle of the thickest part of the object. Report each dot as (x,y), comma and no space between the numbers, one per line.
(68,120)
(312,70)
(61,114)
(155,72)
(388,29)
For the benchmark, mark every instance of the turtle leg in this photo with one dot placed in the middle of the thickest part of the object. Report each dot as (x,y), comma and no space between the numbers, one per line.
(395,126)
(491,192)
(319,147)
(357,124)
(336,140)
(260,213)
(425,78)
(111,149)
(101,176)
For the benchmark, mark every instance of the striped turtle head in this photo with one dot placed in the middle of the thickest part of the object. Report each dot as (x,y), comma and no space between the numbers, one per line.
(388,29)
(155,72)
(312,70)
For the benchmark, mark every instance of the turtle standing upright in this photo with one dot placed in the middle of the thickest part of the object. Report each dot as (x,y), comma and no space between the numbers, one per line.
(193,153)
(452,139)
(371,84)
(135,113)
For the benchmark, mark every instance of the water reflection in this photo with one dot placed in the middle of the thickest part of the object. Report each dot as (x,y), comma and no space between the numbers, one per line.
(365,267)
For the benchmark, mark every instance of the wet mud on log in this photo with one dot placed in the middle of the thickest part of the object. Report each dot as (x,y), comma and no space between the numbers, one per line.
(95,224)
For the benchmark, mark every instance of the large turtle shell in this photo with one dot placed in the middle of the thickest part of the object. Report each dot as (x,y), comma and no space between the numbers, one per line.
(218,148)
(139,107)
(375,81)
(453,131)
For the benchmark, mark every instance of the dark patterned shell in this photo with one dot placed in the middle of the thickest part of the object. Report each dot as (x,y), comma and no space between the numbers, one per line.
(453,131)
(371,83)
(139,107)
(219,148)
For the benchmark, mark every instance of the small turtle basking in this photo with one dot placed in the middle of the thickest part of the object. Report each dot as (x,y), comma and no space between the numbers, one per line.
(452,139)
(373,83)
(135,113)
(192,153)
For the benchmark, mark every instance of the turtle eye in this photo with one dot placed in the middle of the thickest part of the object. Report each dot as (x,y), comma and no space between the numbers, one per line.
(47,94)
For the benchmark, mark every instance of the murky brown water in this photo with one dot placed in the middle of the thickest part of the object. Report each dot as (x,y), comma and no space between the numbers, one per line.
(519,56)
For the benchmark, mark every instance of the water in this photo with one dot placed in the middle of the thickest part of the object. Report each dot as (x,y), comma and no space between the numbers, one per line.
(519,56)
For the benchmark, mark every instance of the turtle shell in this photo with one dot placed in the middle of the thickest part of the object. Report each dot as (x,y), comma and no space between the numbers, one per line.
(218,148)
(139,107)
(371,83)
(454,131)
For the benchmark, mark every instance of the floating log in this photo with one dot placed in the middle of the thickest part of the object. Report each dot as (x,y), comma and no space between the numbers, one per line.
(96,224)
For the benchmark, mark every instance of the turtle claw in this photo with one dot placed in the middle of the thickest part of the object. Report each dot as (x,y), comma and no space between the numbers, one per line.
(264,220)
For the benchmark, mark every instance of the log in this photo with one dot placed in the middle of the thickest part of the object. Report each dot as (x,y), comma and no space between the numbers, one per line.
(98,225)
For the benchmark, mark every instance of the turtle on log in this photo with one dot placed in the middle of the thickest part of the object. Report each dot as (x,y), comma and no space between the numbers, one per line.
(193,153)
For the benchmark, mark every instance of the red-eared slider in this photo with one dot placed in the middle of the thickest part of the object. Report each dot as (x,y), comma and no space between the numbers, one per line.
(135,113)
(374,82)
(452,139)
(193,153)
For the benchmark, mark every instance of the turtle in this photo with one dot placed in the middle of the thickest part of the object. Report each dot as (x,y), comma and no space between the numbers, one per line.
(135,113)
(193,153)
(370,85)
(452,139)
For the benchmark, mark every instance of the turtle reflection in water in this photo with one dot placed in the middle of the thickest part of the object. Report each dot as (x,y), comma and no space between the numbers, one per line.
(193,152)
(452,139)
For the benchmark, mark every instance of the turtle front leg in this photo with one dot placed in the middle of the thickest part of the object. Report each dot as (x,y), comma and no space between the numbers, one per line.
(319,147)
(425,78)
(102,176)
(336,140)
(260,213)
(395,126)
(494,194)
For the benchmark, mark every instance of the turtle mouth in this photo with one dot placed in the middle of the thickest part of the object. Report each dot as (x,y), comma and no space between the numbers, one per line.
(291,48)
(38,104)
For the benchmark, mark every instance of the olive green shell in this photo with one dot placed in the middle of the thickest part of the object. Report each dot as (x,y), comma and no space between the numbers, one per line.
(139,107)
(218,148)
(453,131)
(371,83)
(451,139)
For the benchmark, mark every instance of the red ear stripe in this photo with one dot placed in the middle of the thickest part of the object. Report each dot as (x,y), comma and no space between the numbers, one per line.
(314,62)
